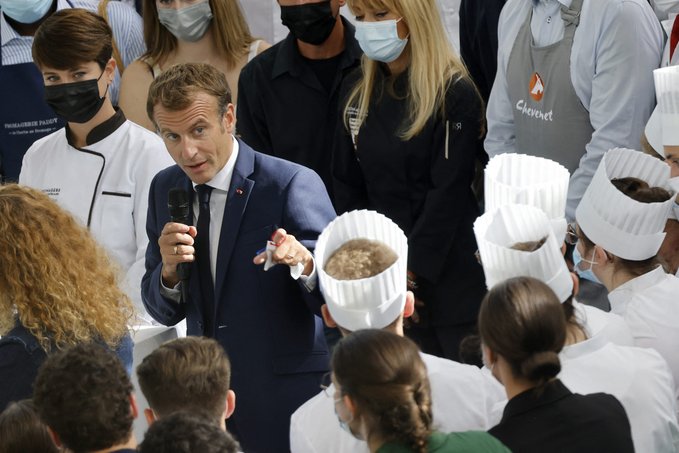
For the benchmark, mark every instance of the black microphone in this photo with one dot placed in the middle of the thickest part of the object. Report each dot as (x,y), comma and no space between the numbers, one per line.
(178,201)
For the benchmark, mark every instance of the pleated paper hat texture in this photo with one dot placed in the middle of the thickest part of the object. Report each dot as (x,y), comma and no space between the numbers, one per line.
(625,227)
(499,230)
(373,302)
(667,95)
(531,180)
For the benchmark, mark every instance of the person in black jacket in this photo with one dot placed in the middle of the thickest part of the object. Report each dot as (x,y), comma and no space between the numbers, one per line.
(523,328)
(406,148)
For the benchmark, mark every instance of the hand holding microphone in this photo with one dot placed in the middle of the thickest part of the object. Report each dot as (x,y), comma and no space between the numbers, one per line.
(176,240)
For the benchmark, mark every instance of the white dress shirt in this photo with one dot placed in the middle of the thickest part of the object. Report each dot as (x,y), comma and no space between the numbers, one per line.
(463,398)
(615,48)
(639,378)
(649,304)
(664,8)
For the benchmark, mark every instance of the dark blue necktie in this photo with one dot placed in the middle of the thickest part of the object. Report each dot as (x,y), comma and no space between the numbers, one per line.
(203,258)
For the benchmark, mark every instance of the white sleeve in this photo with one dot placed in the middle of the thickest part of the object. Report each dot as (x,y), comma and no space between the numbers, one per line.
(629,48)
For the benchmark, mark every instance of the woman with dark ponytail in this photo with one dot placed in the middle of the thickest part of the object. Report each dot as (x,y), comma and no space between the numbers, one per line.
(523,329)
(382,396)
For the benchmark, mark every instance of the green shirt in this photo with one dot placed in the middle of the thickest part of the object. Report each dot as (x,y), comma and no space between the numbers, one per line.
(466,442)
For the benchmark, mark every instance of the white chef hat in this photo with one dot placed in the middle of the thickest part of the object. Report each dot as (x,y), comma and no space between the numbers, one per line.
(497,231)
(667,94)
(531,180)
(373,302)
(627,228)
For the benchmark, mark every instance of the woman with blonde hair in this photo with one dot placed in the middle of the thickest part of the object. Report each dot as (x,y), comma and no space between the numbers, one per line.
(412,122)
(58,288)
(382,395)
(187,31)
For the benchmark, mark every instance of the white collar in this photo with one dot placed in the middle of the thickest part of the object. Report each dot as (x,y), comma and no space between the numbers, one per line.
(573,351)
(620,296)
(222,180)
(566,3)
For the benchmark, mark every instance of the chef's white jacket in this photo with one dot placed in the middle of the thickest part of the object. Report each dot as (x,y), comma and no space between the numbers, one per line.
(463,398)
(638,377)
(598,322)
(105,185)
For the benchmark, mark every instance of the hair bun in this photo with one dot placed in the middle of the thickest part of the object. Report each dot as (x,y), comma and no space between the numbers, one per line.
(541,366)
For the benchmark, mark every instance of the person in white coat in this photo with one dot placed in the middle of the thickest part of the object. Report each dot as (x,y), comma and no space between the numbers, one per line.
(543,184)
(99,167)
(620,224)
(590,362)
(559,91)
(366,288)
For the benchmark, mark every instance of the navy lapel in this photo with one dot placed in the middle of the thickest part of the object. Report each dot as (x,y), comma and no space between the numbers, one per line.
(236,202)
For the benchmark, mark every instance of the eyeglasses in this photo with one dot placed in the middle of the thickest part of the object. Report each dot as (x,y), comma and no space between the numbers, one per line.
(571,235)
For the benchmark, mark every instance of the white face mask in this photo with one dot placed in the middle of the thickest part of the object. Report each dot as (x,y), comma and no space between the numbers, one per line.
(379,40)
(189,23)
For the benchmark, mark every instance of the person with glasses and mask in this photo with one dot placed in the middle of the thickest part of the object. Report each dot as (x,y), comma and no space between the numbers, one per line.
(288,97)
(620,223)
(406,147)
(99,167)
(25,116)
(382,395)
(187,31)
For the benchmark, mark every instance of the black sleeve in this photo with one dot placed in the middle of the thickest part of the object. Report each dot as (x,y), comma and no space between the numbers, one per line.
(348,183)
(450,200)
(251,124)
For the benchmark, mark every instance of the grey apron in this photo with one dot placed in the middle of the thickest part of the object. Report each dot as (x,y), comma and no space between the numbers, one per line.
(550,121)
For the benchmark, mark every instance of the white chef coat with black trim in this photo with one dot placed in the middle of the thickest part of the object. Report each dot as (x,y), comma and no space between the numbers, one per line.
(105,186)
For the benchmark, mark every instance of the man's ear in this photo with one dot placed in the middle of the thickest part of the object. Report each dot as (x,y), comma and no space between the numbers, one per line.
(409,308)
(55,438)
(110,69)
(150,416)
(230,403)
(133,406)
(229,119)
(327,317)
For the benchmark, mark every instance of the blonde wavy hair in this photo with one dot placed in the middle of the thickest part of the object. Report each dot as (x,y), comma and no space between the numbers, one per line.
(230,32)
(55,278)
(434,65)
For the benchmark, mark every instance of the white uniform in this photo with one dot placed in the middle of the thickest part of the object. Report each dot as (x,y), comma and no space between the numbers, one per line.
(463,398)
(649,304)
(105,186)
(664,8)
(639,378)
(601,323)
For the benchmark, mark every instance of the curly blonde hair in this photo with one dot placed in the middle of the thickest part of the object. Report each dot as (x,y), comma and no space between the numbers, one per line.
(55,278)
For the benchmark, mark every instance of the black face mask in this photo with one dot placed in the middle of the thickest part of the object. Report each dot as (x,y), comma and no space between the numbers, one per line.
(311,23)
(75,102)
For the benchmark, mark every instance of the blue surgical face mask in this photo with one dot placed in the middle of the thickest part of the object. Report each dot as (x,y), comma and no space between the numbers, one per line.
(25,11)
(587,274)
(379,40)
(675,210)
(188,23)
(345,424)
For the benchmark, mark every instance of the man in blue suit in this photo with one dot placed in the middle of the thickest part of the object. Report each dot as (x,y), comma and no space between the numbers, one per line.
(241,199)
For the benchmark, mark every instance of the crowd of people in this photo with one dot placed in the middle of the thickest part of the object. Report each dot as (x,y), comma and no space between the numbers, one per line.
(400,226)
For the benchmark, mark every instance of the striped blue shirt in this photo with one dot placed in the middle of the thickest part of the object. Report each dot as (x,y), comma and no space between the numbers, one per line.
(124,21)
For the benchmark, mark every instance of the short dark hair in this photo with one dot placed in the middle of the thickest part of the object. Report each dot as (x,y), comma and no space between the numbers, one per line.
(183,432)
(175,89)
(187,374)
(522,320)
(22,431)
(83,394)
(71,37)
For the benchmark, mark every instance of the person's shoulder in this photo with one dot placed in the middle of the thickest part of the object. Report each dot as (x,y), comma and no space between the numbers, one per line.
(599,403)
(472,441)
(48,142)
(280,169)
(310,410)
(263,62)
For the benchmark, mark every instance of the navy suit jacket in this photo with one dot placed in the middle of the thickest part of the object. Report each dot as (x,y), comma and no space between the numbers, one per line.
(266,321)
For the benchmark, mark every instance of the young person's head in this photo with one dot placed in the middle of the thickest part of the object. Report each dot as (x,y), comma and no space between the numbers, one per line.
(417,43)
(189,374)
(169,21)
(184,432)
(73,50)
(362,258)
(523,329)
(56,280)
(190,104)
(85,397)
(622,217)
(382,391)
(22,431)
